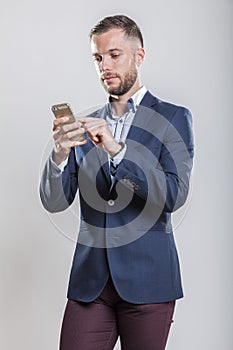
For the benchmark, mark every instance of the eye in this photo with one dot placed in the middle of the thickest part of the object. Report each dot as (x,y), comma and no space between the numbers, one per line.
(97,58)
(115,56)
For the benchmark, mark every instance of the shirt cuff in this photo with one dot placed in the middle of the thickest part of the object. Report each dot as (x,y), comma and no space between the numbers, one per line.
(57,169)
(119,156)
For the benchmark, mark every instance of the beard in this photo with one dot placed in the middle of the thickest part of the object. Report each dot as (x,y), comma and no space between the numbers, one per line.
(125,84)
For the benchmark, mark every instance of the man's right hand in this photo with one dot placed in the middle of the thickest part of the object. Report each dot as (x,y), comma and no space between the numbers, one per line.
(65,136)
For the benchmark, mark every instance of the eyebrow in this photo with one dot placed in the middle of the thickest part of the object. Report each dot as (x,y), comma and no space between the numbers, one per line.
(116,49)
(109,51)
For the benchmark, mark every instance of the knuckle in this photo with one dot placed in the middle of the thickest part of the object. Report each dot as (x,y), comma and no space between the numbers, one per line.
(68,135)
(77,124)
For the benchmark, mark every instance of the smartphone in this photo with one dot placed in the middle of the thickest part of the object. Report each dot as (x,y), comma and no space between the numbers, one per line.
(64,109)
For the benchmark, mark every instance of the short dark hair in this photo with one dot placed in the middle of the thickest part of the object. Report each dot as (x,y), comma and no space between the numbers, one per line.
(130,28)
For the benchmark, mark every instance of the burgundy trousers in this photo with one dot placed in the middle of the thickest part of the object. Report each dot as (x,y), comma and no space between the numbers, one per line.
(97,325)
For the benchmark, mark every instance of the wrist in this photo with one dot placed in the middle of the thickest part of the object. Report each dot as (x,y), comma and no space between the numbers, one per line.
(117,149)
(59,154)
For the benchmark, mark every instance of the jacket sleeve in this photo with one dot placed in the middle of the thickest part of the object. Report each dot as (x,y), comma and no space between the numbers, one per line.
(58,188)
(162,178)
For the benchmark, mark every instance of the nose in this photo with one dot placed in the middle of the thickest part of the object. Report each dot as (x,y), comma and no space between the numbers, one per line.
(105,64)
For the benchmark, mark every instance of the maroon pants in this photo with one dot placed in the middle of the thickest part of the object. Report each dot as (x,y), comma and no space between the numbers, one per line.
(97,325)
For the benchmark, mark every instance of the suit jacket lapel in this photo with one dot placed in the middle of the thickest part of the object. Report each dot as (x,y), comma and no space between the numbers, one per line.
(104,164)
(142,117)
(103,157)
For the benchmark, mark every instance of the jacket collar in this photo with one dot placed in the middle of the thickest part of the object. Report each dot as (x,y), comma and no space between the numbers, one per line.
(145,111)
(149,100)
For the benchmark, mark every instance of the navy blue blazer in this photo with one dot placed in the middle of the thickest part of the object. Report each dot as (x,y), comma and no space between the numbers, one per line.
(125,224)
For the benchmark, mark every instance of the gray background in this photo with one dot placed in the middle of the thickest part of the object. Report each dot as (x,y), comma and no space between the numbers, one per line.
(45,58)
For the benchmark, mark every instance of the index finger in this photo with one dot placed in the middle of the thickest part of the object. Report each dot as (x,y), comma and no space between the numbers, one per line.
(86,119)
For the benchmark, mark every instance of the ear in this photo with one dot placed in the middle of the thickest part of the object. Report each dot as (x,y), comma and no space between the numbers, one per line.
(140,55)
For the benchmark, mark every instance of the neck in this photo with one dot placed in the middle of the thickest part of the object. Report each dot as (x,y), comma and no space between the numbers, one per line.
(119,103)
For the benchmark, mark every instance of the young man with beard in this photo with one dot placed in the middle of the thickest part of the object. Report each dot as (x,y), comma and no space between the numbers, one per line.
(132,171)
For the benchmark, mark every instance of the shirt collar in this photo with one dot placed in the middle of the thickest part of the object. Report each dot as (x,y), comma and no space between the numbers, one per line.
(134,100)
(138,96)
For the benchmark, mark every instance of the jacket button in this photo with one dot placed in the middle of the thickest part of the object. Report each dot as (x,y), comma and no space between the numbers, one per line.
(111,202)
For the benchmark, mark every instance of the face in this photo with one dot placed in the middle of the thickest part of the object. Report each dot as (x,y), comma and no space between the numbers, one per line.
(117,59)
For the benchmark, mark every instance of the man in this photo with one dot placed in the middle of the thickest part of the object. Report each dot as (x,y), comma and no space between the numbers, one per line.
(132,171)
